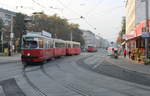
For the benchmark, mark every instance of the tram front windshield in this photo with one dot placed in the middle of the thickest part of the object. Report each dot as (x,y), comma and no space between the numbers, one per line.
(90,47)
(29,44)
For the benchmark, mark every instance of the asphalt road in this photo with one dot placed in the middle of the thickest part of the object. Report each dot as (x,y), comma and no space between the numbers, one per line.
(80,75)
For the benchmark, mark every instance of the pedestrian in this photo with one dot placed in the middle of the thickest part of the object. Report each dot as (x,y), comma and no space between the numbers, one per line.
(129,53)
(125,53)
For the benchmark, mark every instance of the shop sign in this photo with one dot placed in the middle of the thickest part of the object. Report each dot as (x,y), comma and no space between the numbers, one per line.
(145,35)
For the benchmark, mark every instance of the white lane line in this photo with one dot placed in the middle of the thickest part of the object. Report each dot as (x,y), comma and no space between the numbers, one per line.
(2,91)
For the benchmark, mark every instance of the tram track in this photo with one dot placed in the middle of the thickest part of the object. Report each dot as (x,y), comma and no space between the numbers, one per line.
(40,92)
(81,91)
(67,84)
(75,87)
(72,86)
(27,69)
(81,63)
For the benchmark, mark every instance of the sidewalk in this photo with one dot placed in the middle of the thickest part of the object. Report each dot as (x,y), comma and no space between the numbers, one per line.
(10,59)
(129,64)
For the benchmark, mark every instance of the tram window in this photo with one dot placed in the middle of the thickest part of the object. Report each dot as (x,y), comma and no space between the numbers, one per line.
(33,44)
(76,46)
(41,43)
(69,45)
(59,45)
(47,44)
(90,47)
(30,44)
(51,45)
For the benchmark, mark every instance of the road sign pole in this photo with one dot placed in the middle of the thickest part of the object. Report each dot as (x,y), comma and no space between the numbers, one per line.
(147,27)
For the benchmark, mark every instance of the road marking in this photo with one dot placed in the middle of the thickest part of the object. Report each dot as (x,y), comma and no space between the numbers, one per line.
(96,65)
(2,91)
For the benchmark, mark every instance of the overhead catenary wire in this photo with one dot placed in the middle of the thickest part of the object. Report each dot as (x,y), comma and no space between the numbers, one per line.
(69,9)
(39,4)
(25,7)
(81,17)
(93,9)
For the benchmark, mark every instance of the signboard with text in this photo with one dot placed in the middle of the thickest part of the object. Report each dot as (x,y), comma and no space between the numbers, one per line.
(145,35)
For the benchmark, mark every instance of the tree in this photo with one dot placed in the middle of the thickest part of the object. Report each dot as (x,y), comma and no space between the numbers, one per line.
(19,25)
(120,38)
(19,29)
(58,27)
(77,33)
(1,26)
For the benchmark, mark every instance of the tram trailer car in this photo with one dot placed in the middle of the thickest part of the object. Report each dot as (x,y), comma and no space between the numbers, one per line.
(59,48)
(73,48)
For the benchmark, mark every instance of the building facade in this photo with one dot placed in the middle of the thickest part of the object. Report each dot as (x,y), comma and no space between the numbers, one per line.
(135,23)
(7,18)
(130,17)
(93,40)
(89,38)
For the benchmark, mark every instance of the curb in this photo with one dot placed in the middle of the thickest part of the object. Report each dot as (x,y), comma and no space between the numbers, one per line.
(126,67)
(12,61)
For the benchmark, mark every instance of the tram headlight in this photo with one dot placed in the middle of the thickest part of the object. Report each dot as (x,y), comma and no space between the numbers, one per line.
(28,54)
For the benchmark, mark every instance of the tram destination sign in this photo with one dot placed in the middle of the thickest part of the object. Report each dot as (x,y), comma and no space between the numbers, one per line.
(47,34)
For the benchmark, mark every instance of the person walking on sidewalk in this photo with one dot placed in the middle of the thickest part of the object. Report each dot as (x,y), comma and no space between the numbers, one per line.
(125,53)
(129,53)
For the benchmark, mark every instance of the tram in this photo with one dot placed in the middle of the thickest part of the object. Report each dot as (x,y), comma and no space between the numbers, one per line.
(59,48)
(72,48)
(40,47)
(91,49)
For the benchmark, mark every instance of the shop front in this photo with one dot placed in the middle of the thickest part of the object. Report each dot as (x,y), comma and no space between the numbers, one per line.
(136,43)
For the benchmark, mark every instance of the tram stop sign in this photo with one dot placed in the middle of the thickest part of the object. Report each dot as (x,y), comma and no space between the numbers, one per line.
(145,35)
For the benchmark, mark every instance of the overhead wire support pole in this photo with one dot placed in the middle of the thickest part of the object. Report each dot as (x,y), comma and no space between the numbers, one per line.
(71,36)
(2,41)
(11,46)
(147,27)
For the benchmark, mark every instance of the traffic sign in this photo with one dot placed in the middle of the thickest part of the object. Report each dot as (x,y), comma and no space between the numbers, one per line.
(145,35)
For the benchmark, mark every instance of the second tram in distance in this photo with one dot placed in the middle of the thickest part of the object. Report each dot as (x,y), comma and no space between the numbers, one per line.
(91,49)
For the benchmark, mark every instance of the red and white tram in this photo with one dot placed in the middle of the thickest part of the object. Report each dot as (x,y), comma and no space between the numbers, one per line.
(37,47)
(59,48)
(91,49)
(73,48)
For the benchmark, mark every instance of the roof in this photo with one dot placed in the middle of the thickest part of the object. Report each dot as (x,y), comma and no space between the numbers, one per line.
(7,11)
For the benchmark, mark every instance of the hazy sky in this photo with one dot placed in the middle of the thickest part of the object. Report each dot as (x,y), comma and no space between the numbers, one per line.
(103,17)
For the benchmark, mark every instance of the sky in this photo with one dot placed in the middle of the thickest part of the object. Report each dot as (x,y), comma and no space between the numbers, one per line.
(102,17)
